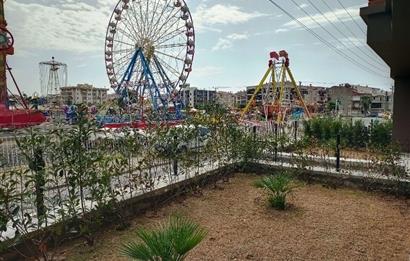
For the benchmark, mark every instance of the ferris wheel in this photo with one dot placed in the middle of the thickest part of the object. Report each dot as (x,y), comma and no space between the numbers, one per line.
(149,48)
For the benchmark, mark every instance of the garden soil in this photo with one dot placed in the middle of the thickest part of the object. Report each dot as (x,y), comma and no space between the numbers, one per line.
(321,223)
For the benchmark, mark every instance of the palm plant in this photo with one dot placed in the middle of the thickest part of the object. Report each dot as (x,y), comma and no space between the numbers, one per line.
(278,187)
(171,241)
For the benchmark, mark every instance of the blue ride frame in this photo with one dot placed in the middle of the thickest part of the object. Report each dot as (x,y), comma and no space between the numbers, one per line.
(154,92)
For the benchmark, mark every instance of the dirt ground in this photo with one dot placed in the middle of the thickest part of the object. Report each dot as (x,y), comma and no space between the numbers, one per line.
(321,224)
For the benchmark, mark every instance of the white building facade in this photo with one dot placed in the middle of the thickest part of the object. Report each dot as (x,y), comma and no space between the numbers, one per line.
(83,93)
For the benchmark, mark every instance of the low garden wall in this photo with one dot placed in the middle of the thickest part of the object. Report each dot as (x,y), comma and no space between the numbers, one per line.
(154,199)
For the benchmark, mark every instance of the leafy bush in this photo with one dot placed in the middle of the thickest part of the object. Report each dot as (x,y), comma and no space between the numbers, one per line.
(170,241)
(381,134)
(360,135)
(278,187)
(353,134)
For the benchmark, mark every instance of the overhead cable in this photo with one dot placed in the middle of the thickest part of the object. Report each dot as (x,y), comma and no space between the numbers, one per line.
(328,44)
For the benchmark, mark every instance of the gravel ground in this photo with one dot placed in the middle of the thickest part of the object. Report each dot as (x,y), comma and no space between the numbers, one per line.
(320,224)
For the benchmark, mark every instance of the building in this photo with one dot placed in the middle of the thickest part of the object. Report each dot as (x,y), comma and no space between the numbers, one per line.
(382,103)
(227,99)
(267,90)
(112,96)
(241,98)
(315,97)
(356,100)
(83,93)
(193,97)
(388,34)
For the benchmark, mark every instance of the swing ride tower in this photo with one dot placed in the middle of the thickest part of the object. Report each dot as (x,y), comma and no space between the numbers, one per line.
(275,106)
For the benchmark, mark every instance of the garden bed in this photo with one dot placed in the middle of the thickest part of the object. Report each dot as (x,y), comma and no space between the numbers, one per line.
(321,223)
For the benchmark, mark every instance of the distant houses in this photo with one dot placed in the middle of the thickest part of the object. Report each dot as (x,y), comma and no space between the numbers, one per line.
(356,100)
(344,99)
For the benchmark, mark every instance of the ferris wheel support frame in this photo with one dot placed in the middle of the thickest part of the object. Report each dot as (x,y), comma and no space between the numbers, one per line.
(147,74)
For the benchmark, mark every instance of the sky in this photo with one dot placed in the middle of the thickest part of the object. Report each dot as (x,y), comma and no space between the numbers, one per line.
(233,41)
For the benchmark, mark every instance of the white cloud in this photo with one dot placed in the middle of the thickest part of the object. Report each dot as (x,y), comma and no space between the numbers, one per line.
(332,16)
(236,36)
(206,71)
(223,44)
(206,17)
(228,41)
(302,6)
(66,26)
(281,30)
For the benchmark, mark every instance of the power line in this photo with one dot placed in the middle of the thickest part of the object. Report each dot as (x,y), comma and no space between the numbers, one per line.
(340,20)
(334,37)
(352,61)
(351,17)
(344,24)
(350,30)
(345,36)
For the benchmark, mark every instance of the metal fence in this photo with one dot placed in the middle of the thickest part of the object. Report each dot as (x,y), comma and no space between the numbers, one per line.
(143,174)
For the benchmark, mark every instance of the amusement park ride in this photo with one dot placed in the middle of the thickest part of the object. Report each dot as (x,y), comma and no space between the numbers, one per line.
(53,76)
(149,50)
(274,106)
(12,118)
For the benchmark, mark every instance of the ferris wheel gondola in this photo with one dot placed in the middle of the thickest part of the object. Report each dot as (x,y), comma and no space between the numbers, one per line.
(149,49)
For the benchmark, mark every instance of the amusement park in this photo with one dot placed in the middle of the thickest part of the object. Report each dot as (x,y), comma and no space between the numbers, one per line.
(147,69)
(153,168)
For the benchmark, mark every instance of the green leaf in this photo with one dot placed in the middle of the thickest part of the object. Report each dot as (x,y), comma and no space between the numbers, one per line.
(170,241)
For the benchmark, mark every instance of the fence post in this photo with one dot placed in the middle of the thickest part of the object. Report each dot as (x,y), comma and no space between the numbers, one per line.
(254,133)
(175,160)
(37,165)
(296,131)
(276,141)
(338,152)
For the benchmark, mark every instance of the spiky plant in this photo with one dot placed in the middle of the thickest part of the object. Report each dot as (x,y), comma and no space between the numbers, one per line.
(171,241)
(278,187)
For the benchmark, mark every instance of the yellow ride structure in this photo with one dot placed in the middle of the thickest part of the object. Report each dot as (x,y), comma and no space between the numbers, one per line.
(273,102)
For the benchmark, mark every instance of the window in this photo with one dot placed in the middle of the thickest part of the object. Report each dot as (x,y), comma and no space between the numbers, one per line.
(376,106)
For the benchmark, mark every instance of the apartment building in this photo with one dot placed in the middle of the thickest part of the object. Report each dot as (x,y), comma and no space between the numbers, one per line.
(352,100)
(196,98)
(83,93)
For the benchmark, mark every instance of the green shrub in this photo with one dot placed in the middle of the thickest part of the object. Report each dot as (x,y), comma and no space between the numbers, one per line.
(353,134)
(278,188)
(381,134)
(360,135)
(171,241)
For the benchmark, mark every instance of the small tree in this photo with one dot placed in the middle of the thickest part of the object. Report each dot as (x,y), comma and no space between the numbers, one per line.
(278,188)
(170,241)
(32,149)
(365,103)
(381,134)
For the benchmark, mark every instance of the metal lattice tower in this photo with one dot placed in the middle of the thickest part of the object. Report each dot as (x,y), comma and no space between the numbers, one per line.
(53,76)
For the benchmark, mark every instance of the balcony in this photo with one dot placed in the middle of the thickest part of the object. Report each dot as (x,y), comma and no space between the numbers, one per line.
(376,2)
(356,98)
(388,33)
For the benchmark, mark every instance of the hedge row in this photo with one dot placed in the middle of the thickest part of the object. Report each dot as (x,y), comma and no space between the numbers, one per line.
(354,134)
